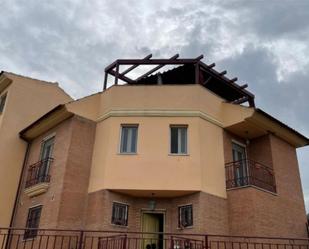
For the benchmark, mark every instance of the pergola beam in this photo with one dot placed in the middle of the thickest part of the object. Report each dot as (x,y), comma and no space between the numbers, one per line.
(154,62)
(157,67)
(211,65)
(244,86)
(122,77)
(209,79)
(135,66)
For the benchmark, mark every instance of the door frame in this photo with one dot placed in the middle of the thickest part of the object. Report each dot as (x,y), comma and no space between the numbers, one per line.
(246,155)
(156,211)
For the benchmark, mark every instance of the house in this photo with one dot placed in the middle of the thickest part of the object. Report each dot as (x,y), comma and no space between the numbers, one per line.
(182,151)
(22,101)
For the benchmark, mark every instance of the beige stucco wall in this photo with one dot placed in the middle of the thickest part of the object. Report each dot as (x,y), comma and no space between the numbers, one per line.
(27,100)
(154,109)
(87,107)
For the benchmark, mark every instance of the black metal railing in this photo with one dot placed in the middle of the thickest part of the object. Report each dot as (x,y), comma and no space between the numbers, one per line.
(39,172)
(13,238)
(248,172)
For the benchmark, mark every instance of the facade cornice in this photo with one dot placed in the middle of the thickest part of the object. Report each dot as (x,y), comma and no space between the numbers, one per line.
(159,113)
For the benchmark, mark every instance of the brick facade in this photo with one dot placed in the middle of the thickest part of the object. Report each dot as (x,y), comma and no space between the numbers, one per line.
(209,212)
(246,211)
(258,212)
(64,202)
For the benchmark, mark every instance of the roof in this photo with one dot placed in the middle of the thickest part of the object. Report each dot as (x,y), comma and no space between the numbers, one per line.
(283,125)
(10,77)
(189,71)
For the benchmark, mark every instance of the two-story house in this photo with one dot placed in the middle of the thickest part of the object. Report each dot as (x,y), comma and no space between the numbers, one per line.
(183,151)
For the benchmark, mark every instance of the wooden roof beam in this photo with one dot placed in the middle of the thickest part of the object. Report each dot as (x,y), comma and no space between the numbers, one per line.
(244,86)
(122,77)
(156,68)
(135,66)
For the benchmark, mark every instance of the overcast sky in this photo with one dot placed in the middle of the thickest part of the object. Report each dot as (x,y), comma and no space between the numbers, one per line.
(265,43)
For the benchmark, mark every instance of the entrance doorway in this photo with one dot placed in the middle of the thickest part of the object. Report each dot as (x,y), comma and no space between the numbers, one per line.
(152,223)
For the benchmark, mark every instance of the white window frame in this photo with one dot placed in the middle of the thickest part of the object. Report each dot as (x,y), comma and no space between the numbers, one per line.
(120,138)
(187,139)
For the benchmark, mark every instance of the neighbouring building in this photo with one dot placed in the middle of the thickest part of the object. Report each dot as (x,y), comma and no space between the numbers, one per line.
(183,151)
(22,101)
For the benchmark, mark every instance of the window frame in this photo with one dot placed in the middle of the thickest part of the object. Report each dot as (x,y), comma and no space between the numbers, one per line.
(3,103)
(180,224)
(187,139)
(30,234)
(113,218)
(120,139)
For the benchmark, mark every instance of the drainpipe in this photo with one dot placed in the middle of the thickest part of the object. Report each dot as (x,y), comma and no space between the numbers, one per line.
(18,192)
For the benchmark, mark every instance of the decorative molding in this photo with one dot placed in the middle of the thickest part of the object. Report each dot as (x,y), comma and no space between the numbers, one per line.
(37,189)
(159,113)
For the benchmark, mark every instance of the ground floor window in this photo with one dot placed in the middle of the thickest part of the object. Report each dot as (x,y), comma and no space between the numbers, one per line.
(120,214)
(33,221)
(185,216)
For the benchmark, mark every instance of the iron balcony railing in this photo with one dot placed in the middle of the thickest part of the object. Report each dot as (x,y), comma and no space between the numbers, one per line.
(249,173)
(39,172)
(13,238)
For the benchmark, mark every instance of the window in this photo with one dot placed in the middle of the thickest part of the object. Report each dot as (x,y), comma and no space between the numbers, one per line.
(47,148)
(179,139)
(120,214)
(33,222)
(45,158)
(185,216)
(2,102)
(128,139)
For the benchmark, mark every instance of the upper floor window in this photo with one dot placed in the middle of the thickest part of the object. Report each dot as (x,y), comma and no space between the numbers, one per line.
(185,216)
(120,214)
(179,139)
(33,221)
(46,155)
(39,172)
(128,139)
(2,102)
(47,148)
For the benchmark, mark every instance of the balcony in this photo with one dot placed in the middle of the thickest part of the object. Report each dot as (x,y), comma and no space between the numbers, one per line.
(249,173)
(38,177)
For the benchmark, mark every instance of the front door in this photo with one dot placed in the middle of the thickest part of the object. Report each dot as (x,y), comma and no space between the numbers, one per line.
(152,223)
(240,164)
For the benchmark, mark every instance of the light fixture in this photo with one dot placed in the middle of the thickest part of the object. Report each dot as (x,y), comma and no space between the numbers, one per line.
(152,203)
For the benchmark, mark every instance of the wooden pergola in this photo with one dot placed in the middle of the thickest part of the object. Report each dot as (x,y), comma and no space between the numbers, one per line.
(193,69)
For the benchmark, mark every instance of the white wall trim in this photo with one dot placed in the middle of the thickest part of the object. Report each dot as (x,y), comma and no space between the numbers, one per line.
(159,113)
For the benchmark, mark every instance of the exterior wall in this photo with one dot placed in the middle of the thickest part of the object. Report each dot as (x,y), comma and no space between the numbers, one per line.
(209,212)
(260,213)
(26,101)
(65,200)
(202,169)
